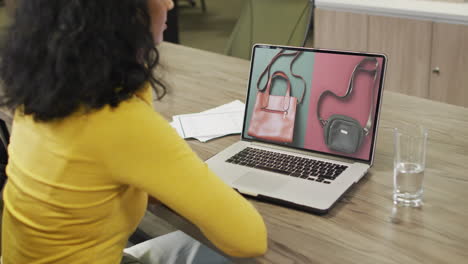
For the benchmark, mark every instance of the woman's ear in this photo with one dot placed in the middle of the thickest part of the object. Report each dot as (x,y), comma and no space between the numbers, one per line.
(169,4)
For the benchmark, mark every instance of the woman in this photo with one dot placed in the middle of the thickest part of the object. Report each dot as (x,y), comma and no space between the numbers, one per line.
(87,148)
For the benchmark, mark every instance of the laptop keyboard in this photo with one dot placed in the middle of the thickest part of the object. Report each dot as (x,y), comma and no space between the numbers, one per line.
(305,168)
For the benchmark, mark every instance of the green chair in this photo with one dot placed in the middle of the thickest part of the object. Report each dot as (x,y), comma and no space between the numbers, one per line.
(281,22)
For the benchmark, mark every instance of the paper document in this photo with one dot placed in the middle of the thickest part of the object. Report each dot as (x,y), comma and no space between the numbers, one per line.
(210,124)
(216,122)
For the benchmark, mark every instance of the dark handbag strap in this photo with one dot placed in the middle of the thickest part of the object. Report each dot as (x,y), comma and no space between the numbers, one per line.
(273,60)
(286,98)
(4,140)
(360,67)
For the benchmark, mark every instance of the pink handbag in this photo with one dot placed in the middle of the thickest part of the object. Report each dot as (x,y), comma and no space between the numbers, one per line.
(274,116)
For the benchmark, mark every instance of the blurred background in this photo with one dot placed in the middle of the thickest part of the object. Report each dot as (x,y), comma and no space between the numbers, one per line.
(209,30)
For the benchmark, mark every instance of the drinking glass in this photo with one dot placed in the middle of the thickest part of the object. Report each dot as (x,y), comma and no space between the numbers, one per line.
(409,164)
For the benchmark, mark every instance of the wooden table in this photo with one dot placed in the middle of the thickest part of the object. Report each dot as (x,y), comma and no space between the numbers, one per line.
(364,227)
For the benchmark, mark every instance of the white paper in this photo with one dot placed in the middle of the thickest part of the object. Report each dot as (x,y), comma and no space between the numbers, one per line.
(176,125)
(210,124)
(216,122)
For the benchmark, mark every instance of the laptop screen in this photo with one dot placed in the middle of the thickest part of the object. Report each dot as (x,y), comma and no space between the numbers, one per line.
(316,100)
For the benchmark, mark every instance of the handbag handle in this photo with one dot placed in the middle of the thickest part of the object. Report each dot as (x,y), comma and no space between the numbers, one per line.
(360,67)
(286,99)
(273,60)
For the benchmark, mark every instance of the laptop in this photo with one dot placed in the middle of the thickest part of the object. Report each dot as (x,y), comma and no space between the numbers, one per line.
(310,126)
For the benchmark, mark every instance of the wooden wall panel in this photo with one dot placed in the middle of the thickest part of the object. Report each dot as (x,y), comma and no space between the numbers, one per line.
(340,30)
(407,43)
(449,77)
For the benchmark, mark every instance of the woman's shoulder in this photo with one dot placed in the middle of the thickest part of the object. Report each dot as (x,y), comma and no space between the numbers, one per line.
(129,114)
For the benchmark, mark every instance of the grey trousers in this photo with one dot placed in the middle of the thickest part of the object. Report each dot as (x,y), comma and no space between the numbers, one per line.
(173,248)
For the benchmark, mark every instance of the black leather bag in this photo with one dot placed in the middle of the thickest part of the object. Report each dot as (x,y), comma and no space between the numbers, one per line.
(343,133)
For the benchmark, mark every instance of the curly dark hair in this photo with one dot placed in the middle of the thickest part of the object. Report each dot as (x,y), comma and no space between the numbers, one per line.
(63,54)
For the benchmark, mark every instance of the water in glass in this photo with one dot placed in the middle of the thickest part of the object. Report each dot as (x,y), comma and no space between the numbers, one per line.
(409,164)
(408,184)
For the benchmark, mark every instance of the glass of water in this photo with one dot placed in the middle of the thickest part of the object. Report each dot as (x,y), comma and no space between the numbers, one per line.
(409,164)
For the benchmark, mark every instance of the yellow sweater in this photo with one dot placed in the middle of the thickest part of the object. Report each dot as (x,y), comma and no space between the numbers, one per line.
(78,187)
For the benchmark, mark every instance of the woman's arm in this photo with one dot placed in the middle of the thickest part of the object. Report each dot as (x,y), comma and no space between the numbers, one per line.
(141,149)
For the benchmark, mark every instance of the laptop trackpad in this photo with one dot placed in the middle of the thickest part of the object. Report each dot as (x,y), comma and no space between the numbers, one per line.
(255,182)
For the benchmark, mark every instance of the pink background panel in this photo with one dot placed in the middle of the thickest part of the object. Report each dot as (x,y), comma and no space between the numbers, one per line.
(332,72)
